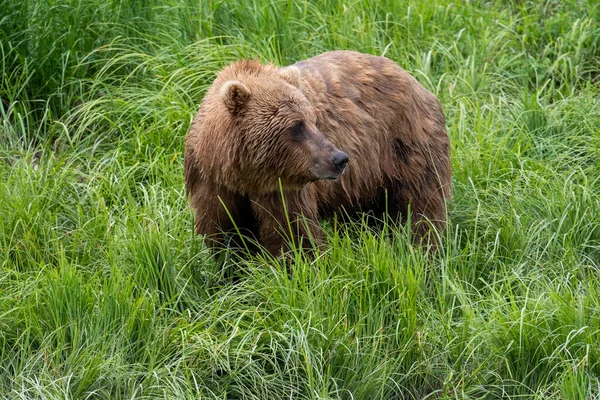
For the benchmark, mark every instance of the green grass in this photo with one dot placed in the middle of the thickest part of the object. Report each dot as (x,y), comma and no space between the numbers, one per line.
(105,292)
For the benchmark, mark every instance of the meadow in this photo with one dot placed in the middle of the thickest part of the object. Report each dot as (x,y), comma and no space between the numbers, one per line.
(106,293)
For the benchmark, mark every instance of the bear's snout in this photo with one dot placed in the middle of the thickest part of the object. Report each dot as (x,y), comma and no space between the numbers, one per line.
(332,164)
(340,159)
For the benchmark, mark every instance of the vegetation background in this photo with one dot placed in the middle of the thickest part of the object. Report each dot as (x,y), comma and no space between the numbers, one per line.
(105,292)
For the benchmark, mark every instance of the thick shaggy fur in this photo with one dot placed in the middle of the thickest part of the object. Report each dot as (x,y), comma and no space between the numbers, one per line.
(260,129)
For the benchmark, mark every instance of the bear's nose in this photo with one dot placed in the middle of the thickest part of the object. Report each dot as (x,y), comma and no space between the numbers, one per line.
(340,159)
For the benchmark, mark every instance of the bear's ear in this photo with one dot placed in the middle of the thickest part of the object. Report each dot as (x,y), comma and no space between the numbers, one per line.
(235,96)
(291,75)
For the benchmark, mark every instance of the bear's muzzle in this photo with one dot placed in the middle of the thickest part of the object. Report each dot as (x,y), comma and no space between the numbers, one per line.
(340,159)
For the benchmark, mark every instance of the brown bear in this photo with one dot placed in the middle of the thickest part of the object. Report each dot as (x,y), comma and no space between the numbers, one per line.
(271,150)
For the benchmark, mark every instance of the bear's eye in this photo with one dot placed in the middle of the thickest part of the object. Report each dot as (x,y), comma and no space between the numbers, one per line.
(297,130)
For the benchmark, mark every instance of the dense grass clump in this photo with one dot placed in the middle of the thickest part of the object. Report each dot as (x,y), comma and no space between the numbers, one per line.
(105,292)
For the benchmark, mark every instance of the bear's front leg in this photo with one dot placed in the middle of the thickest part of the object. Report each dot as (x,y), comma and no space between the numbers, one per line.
(288,219)
(224,217)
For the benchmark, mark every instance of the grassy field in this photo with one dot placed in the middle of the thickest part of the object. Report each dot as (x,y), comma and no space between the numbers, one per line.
(105,292)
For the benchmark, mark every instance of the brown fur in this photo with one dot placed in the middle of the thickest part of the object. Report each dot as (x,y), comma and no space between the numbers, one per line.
(260,128)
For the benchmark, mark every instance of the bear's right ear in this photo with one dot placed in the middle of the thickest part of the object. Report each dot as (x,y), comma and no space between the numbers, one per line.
(235,96)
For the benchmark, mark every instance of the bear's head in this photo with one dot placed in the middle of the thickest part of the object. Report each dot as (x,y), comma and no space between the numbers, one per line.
(260,131)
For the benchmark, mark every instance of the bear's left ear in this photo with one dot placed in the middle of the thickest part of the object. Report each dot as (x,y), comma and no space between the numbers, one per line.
(291,75)
(235,96)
